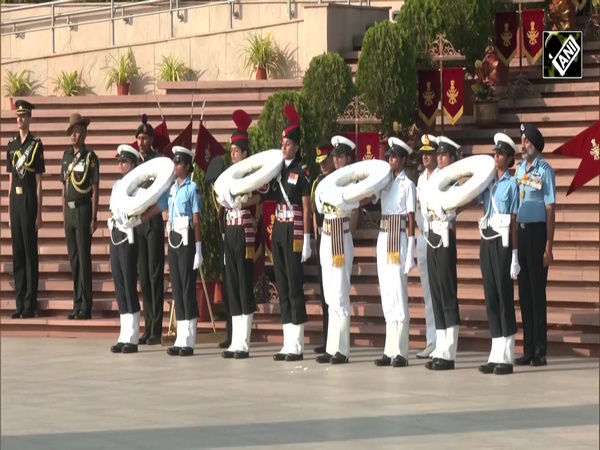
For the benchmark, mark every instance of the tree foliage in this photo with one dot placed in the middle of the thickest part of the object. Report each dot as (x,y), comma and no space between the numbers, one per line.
(327,88)
(467,24)
(387,76)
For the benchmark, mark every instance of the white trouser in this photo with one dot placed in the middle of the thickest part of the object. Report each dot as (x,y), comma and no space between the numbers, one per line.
(186,333)
(293,339)
(396,339)
(422,264)
(130,328)
(503,350)
(241,329)
(446,343)
(393,284)
(336,291)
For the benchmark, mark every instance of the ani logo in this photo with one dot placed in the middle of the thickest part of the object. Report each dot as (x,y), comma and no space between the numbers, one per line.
(563,55)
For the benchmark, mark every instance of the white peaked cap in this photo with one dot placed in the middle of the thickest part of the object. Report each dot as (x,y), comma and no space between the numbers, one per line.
(341,140)
(400,143)
(431,137)
(501,137)
(445,140)
(128,148)
(179,149)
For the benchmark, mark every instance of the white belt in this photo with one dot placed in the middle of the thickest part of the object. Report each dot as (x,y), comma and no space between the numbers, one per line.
(284,215)
(234,214)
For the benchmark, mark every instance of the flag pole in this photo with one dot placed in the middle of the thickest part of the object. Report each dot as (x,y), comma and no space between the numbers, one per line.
(202,112)
(192,113)
(159,108)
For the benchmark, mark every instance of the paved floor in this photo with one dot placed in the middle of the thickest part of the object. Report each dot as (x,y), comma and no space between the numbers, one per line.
(76,395)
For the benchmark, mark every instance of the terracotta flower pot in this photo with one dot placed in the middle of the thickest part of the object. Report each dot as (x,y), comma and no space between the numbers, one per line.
(12,104)
(123,89)
(486,113)
(261,73)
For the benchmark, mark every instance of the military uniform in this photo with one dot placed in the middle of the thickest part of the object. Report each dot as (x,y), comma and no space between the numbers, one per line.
(499,261)
(395,259)
(537,186)
(24,162)
(323,153)
(289,242)
(124,251)
(80,172)
(151,261)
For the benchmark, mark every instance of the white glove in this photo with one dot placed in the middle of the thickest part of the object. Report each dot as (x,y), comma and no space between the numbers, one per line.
(198,255)
(515,268)
(128,223)
(409,263)
(306,250)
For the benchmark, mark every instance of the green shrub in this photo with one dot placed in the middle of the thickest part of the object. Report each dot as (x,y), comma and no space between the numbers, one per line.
(328,89)
(387,76)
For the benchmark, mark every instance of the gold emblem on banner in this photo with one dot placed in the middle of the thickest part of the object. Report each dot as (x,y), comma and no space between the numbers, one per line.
(506,36)
(428,94)
(533,34)
(207,153)
(452,93)
(270,227)
(369,154)
(595,151)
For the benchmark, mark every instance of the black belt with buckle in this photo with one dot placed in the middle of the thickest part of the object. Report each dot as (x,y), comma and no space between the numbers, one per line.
(79,202)
(525,226)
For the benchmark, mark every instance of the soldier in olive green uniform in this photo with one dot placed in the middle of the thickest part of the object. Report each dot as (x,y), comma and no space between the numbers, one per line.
(80,172)
(25,165)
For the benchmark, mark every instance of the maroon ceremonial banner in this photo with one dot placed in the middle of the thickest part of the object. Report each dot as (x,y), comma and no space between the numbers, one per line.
(368,144)
(506,36)
(268,212)
(533,26)
(183,140)
(453,81)
(586,145)
(429,95)
(207,147)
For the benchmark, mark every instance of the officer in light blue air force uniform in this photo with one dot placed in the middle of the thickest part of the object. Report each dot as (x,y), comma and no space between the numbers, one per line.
(537,197)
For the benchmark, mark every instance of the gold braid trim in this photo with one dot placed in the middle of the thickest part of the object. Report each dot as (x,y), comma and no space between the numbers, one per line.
(17,155)
(76,184)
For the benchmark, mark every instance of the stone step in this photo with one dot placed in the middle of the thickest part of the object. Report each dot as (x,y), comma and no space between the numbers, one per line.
(553,104)
(229,86)
(582,119)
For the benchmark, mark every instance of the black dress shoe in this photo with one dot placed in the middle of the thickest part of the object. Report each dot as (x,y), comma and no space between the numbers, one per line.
(28,315)
(117,348)
(225,344)
(324,358)
(524,360)
(227,354)
(487,368)
(293,357)
(82,316)
(320,349)
(186,351)
(130,348)
(338,358)
(443,364)
(241,355)
(536,361)
(152,340)
(279,357)
(173,351)
(16,315)
(72,315)
(503,369)
(429,364)
(144,339)
(400,361)
(383,361)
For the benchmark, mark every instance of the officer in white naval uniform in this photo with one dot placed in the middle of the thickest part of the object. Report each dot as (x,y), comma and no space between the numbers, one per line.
(395,254)
(427,152)
(336,256)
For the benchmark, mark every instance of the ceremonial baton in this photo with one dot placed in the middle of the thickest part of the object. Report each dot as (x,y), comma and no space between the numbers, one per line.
(210,312)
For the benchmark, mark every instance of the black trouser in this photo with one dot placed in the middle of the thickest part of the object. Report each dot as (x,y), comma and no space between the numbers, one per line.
(240,272)
(441,269)
(224,290)
(123,265)
(24,237)
(183,276)
(532,287)
(79,246)
(324,306)
(289,274)
(498,286)
(151,267)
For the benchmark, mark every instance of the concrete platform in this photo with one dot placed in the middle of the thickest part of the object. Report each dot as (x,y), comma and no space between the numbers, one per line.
(76,395)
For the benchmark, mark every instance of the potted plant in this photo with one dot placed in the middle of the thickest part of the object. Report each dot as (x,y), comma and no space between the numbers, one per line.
(485,104)
(121,72)
(174,69)
(16,85)
(261,55)
(557,15)
(67,83)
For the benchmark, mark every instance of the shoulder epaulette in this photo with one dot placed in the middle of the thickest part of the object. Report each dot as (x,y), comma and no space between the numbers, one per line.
(12,139)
